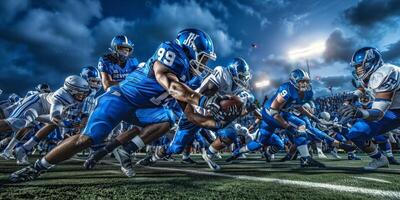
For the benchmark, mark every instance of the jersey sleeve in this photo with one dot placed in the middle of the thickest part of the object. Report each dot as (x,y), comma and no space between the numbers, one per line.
(284,92)
(170,58)
(219,77)
(384,82)
(103,65)
(133,64)
(62,96)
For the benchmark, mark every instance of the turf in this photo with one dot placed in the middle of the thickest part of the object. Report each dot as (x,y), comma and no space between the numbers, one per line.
(70,181)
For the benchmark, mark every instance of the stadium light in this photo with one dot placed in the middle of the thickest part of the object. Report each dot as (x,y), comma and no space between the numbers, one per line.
(261,84)
(313,49)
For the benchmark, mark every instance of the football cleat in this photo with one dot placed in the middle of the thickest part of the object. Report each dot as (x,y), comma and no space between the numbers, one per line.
(189,161)
(214,166)
(335,155)
(21,156)
(232,158)
(310,162)
(353,156)
(94,158)
(146,161)
(125,161)
(25,174)
(393,161)
(7,155)
(286,158)
(377,163)
(267,156)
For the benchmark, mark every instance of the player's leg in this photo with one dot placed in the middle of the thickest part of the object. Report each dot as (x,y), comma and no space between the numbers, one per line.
(386,148)
(363,131)
(109,112)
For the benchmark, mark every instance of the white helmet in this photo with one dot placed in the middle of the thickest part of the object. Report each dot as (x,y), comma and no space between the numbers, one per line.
(325,116)
(77,86)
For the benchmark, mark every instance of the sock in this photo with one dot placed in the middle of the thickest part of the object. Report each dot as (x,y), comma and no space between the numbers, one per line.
(375,154)
(135,144)
(31,143)
(113,144)
(12,144)
(389,153)
(212,150)
(42,164)
(244,149)
(319,147)
(303,150)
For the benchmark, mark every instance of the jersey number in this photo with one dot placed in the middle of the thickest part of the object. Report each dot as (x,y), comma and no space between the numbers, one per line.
(160,99)
(166,57)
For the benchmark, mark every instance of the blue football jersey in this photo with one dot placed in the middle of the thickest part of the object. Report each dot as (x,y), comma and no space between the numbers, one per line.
(291,96)
(108,65)
(141,87)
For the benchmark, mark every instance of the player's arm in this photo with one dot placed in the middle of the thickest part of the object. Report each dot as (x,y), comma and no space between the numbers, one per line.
(107,80)
(380,105)
(275,108)
(200,119)
(170,82)
(56,109)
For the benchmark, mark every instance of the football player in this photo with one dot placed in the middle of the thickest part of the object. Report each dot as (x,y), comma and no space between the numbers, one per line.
(382,80)
(276,115)
(65,100)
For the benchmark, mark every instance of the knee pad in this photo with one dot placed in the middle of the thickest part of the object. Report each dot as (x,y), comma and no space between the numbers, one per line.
(298,141)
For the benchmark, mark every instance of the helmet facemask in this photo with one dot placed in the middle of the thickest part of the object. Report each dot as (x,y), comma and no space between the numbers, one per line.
(199,67)
(123,52)
(303,85)
(94,83)
(242,79)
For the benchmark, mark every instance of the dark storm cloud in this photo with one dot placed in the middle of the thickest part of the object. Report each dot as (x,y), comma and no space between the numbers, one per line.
(392,53)
(368,13)
(339,48)
(338,83)
(46,42)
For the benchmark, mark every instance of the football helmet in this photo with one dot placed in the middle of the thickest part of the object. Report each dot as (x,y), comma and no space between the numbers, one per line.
(118,43)
(325,116)
(240,72)
(92,76)
(365,61)
(43,88)
(300,80)
(77,86)
(198,47)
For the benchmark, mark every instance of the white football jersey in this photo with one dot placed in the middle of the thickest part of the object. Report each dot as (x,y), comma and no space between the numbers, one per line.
(387,79)
(223,79)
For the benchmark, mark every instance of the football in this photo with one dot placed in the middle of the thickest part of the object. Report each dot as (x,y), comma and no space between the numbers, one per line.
(232,101)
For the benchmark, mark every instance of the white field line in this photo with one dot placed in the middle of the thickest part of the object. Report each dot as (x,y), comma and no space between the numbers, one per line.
(372,179)
(305,184)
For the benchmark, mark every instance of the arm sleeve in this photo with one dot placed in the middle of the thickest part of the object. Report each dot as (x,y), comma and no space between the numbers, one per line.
(56,110)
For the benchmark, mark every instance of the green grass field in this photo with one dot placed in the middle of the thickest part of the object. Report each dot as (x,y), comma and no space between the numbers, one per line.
(244,179)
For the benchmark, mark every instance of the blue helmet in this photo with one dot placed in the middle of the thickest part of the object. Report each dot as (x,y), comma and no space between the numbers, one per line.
(43,88)
(198,47)
(366,61)
(121,41)
(240,71)
(92,76)
(13,98)
(300,80)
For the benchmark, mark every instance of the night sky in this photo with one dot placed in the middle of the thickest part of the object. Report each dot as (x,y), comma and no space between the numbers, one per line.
(45,41)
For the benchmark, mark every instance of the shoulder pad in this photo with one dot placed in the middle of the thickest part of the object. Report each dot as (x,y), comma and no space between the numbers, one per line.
(385,79)
(62,96)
